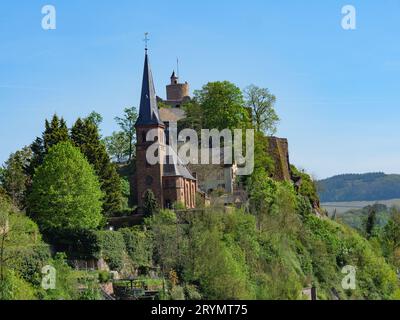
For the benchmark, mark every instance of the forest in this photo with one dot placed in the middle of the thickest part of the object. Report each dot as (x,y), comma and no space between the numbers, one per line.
(360,187)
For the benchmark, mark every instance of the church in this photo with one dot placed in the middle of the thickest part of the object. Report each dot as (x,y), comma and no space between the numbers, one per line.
(170,180)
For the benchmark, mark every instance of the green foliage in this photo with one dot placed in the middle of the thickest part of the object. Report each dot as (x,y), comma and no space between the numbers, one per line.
(55,132)
(150,206)
(14,178)
(308,187)
(104,276)
(262,104)
(222,106)
(356,218)
(177,293)
(127,125)
(118,146)
(85,136)
(360,187)
(66,286)
(95,118)
(65,192)
(167,239)
(139,246)
(13,287)
(112,248)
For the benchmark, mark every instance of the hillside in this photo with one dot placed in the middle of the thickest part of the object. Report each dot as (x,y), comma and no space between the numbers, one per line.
(359,187)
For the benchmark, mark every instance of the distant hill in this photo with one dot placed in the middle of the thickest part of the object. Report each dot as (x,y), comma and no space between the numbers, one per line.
(360,187)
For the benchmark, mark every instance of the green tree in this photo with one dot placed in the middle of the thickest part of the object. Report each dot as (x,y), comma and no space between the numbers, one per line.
(118,146)
(56,131)
(85,136)
(223,106)
(194,116)
(95,118)
(14,178)
(127,124)
(66,192)
(262,104)
(150,204)
(370,223)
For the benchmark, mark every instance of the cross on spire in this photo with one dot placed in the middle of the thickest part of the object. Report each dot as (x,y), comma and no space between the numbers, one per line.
(146,40)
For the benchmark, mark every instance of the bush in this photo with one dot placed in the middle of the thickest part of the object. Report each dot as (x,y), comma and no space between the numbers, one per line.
(177,293)
(112,248)
(139,246)
(104,276)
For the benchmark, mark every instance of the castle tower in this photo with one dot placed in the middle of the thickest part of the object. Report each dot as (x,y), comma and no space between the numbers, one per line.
(149,177)
(177,93)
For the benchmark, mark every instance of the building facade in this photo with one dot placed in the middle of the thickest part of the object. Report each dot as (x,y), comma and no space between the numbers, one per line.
(169,180)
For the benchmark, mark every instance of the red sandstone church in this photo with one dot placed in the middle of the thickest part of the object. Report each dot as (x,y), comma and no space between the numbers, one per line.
(170,181)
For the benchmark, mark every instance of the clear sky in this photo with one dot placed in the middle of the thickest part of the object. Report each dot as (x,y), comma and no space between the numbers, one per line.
(338,91)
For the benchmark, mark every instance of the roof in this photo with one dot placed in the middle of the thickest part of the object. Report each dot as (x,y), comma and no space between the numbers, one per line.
(171,114)
(148,111)
(176,168)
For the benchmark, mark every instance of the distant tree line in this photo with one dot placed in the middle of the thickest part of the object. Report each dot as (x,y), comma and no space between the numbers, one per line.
(360,187)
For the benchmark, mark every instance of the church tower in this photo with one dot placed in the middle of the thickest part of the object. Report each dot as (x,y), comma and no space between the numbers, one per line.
(149,177)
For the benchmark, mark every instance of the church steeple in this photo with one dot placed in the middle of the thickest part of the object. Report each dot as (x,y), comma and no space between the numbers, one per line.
(148,112)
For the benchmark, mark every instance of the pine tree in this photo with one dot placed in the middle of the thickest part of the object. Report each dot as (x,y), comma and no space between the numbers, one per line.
(150,206)
(370,223)
(86,137)
(56,131)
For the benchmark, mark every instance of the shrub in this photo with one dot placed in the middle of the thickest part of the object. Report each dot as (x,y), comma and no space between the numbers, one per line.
(139,246)
(112,248)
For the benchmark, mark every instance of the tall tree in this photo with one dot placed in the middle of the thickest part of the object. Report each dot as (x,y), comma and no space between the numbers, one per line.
(14,178)
(370,223)
(85,136)
(262,104)
(118,146)
(56,131)
(150,204)
(127,124)
(223,106)
(66,191)
(96,118)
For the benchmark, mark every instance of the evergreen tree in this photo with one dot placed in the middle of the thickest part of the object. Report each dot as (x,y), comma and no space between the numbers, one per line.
(65,191)
(150,204)
(370,223)
(14,178)
(85,136)
(56,131)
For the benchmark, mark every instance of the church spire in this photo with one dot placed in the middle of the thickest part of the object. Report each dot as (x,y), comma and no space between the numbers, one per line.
(148,112)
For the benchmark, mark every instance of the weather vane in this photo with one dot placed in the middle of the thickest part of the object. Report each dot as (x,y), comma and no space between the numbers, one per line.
(146,40)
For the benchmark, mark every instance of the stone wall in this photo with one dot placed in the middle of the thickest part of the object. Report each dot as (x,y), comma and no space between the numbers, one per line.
(278,150)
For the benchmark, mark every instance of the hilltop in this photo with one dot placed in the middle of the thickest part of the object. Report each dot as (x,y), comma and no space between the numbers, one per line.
(360,187)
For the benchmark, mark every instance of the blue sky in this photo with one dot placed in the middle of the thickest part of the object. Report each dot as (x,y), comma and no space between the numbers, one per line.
(338,91)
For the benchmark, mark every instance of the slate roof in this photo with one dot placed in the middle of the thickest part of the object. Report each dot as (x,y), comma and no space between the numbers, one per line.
(176,168)
(148,111)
